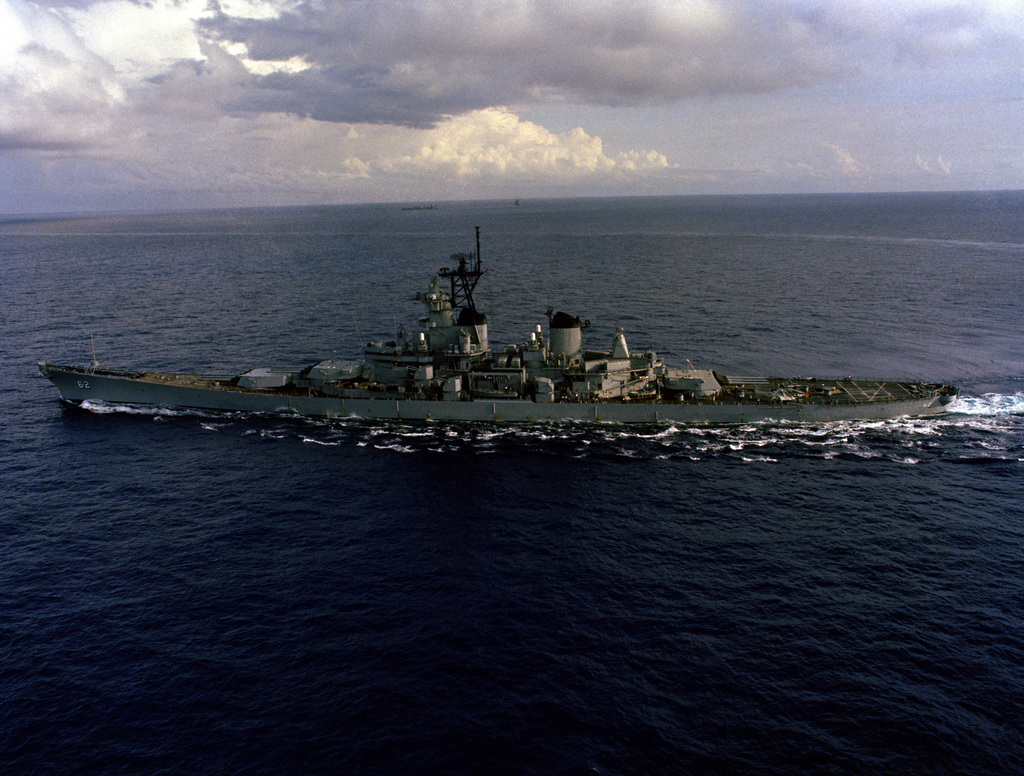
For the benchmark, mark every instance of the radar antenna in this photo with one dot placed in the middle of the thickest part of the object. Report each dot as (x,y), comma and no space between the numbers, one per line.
(465,276)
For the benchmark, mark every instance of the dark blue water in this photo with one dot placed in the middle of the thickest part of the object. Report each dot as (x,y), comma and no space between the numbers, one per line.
(189,593)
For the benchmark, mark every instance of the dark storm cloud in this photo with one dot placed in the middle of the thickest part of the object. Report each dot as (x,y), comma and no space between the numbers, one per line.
(411,63)
(351,95)
(24,141)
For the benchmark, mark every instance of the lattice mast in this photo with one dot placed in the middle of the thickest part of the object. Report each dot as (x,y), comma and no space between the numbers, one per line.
(464,277)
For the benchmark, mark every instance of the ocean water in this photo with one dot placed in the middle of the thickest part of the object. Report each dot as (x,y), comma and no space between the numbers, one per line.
(230,594)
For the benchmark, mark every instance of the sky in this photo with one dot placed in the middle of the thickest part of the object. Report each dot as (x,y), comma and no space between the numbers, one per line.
(166,104)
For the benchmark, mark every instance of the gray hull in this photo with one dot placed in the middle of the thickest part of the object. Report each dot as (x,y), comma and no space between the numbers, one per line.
(200,392)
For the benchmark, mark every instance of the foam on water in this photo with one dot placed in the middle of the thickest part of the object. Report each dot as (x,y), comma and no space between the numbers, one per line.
(910,441)
(989,404)
(102,408)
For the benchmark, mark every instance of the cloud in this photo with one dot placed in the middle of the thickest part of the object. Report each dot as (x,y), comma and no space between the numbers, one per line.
(139,40)
(845,162)
(55,93)
(496,142)
(937,167)
(120,79)
(397,62)
(414,63)
(260,94)
(408,63)
(282,159)
(492,144)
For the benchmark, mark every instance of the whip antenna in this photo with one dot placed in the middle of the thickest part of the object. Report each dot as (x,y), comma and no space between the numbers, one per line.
(95,361)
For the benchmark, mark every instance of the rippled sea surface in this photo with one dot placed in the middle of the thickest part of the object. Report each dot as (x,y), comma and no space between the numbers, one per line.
(185,592)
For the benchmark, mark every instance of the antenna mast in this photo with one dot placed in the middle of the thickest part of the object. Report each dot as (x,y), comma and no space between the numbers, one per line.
(465,276)
(95,361)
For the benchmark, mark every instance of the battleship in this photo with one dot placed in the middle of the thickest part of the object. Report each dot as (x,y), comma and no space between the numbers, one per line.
(449,371)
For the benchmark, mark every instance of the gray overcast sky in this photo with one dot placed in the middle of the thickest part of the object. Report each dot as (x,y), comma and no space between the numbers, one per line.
(117,104)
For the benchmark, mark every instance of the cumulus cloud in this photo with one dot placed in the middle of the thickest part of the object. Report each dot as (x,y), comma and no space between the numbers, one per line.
(844,161)
(139,40)
(489,144)
(496,142)
(938,166)
(55,93)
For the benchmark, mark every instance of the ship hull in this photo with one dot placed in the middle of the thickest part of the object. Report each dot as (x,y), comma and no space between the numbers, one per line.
(209,393)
